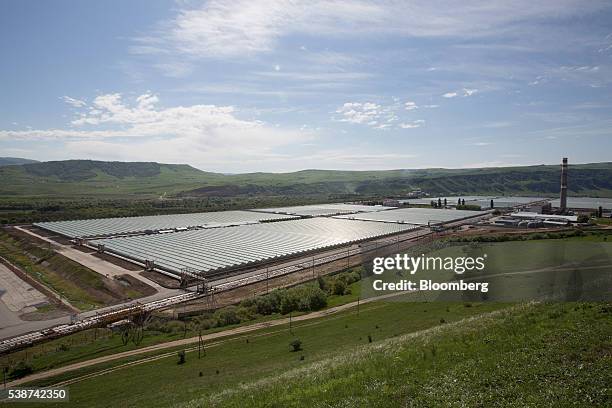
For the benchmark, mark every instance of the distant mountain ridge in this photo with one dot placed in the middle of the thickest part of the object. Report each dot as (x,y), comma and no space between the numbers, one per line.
(72,178)
(11,161)
(80,170)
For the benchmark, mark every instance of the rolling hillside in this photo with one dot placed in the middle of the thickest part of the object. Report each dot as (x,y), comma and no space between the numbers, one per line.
(74,178)
(9,161)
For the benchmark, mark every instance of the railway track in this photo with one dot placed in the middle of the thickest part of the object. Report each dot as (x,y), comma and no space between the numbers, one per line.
(96,320)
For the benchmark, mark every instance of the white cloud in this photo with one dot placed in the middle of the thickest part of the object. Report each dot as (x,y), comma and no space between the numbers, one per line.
(410,106)
(378,116)
(464,92)
(412,125)
(242,27)
(75,103)
(360,113)
(111,127)
(469,92)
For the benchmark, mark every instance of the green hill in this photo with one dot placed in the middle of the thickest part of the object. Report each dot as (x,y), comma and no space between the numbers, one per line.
(74,178)
(9,161)
(539,355)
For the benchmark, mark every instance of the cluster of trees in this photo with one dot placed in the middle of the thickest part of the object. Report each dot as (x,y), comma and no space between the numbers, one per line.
(26,210)
(304,298)
(338,284)
(521,237)
(469,207)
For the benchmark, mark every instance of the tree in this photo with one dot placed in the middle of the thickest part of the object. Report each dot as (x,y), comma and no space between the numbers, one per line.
(181,356)
(21,369)
(338,287)
(583,218)
(296,345)
(226,316)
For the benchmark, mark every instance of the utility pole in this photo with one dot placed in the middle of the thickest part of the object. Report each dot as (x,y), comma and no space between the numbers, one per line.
(200,344)
(313,269)
(358,297)
(290,328)
(348,257)
(184,320)
(267,278)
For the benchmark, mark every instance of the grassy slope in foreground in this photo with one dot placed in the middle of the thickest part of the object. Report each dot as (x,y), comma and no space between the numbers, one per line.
(256,355)
(534,355)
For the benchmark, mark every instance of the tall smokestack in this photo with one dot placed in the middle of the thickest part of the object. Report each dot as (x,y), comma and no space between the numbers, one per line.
(563,204)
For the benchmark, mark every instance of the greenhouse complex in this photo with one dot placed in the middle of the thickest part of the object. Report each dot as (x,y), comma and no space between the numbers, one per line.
(214,244)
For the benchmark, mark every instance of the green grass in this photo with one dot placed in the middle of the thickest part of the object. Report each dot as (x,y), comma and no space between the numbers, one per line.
(547,355)
(355,292)
(603,221)
(266,353)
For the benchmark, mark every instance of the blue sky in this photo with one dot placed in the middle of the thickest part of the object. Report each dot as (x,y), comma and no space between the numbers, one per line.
(243,86)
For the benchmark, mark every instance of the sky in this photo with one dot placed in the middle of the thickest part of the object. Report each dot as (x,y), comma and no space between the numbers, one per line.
(245,86)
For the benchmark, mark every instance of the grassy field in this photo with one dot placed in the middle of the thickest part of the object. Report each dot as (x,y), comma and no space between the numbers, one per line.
(545,355)
(263,353)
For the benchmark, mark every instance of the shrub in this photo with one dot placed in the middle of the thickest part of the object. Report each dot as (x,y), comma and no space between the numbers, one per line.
(244,314)
(322,282)
(226,316)
(338,287)
(583,218)
(318,300)
(469,207)
(21,369)
(266,305)
(296,345)
(181,356)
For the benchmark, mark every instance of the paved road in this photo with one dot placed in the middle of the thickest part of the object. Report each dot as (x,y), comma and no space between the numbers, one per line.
(19,296)
(8,318)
